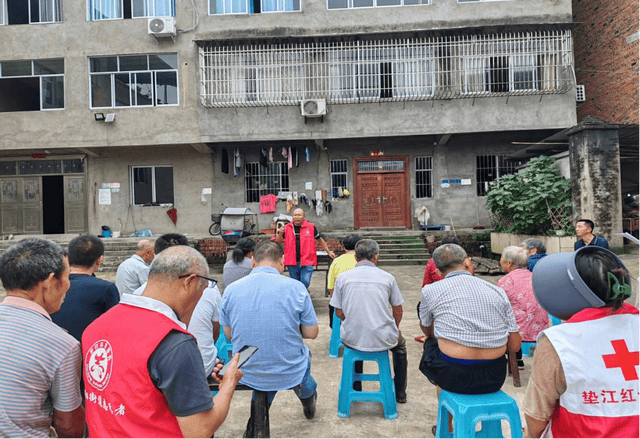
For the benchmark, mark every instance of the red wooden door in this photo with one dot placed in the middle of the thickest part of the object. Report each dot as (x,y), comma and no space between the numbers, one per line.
(370,200)
(393,197)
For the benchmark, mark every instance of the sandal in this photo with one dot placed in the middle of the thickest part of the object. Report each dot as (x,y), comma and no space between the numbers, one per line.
(434,429)
(420,339)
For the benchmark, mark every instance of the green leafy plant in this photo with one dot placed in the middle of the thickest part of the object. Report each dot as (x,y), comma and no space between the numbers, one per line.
(531,202)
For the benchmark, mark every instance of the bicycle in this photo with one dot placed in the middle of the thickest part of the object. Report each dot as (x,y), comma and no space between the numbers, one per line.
(214,229)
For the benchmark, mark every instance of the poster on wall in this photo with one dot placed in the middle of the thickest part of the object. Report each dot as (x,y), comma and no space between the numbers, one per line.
(104,196)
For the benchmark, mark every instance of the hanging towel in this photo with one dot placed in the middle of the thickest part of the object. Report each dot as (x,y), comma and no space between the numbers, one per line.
(319,204)
(289,203)
(263,157)
(224,162)
(306,151)
(290,157)
(271,155)
(237,162)
(295,156)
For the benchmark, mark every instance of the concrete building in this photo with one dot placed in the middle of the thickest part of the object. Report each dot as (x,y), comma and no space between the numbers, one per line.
(404,103)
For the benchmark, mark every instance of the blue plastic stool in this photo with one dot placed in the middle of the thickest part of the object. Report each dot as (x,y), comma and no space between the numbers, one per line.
(387,393)
(554,320)
(335,343)
(468,410)
(223,346)
(526,348)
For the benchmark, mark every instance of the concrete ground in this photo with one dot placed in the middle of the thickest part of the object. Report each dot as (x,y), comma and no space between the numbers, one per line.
(415,418)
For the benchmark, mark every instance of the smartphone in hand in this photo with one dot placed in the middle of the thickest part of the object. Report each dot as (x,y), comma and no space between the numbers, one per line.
(245,352)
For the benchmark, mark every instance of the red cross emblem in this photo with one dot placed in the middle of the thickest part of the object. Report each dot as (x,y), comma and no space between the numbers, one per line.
(625,360)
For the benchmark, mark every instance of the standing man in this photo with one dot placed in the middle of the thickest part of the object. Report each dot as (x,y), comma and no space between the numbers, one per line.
(341,264)
(39,362)
(143,372)
(361,298)
(275,314)
(89,297)
(584,231)
(134,272)
(299,237)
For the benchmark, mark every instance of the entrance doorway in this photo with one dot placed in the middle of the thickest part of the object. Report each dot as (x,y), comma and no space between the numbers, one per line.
(53,204)
(382,192)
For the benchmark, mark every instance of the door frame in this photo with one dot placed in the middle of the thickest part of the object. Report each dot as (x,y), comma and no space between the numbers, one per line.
(357,213)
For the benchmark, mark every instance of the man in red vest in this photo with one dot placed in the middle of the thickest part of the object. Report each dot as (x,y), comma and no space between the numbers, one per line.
(299,237)
(143,373)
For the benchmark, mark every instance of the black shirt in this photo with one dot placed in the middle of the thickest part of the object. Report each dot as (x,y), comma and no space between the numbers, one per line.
(296,229)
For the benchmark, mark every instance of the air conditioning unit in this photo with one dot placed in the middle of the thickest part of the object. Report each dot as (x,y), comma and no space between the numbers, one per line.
(313,107)
(580,95)
(162,26)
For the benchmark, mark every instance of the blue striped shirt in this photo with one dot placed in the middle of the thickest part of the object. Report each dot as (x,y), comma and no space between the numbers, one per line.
(40,368)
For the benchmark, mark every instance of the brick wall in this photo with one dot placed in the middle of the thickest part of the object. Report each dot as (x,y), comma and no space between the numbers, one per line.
(213,249)
(606,64)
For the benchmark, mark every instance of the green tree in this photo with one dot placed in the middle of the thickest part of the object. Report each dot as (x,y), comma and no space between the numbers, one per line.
(521,203)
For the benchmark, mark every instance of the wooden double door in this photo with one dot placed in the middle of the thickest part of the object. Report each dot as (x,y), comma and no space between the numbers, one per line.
(382,192)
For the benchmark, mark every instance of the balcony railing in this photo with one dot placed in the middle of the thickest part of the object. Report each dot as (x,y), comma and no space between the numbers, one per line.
(407,69)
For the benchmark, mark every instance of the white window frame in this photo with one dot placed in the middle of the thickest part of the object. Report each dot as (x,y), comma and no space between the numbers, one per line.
(41,84)
(116,8)
(55,7)
(375,5)
(248,4)
(153,184)
(428,170)
(132,73)
(281,7)
(342,163)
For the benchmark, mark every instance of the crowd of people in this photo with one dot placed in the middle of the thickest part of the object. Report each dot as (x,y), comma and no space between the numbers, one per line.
(83,356)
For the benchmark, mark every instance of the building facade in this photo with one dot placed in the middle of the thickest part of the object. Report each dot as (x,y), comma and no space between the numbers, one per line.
(400,104)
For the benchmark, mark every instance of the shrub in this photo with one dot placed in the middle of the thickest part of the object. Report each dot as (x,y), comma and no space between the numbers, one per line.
(533,201)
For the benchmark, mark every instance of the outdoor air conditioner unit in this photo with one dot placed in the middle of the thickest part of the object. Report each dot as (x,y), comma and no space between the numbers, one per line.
(162,26)
(313,107)
(580,95)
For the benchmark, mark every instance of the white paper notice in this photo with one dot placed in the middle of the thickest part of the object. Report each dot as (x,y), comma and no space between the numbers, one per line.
(308,186)
(465,182)
(104,196)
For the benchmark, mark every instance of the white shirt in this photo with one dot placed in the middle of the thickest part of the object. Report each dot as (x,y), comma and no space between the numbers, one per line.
(131,274)
(206,312)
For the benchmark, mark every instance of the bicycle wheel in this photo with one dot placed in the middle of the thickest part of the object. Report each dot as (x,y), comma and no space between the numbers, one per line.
(214,229)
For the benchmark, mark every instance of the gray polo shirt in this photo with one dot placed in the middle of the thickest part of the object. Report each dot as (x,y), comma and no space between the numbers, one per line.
(468,310)
(131,274)
(364,294)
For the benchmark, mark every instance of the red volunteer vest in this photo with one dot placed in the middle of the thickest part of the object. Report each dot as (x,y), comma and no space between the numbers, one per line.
(120,398)
(599,355)
(307,245)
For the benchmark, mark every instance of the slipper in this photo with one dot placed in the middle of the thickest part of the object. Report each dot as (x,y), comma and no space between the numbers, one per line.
(434,429)
(420,339)
(401,400)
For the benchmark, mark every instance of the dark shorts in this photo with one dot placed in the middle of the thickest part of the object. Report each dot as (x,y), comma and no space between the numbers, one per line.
(476,377)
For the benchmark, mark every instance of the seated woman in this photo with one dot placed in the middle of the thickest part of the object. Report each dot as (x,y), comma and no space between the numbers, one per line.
(240,263)
(584,381)
(535,249)
(530,317)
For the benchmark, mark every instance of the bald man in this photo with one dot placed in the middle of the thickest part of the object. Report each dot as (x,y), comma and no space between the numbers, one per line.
(134,272)
(299,237)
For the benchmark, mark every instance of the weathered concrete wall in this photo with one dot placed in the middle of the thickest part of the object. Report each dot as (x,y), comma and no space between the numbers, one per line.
(595,179)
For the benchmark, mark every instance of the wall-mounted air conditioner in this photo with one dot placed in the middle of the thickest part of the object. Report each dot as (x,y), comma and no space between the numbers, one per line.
(580,95)
(162,26)
(313,107)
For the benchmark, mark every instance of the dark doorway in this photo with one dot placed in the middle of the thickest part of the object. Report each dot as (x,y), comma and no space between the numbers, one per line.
(53,204)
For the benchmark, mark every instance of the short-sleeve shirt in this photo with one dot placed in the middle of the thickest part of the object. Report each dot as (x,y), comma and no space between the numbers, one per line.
(232,271)
(266,309)
(206,312)
(430,274)
(468,310)
(339,265)
(40,366)
(364,294)
(530,316)
(87,299)
(131,274)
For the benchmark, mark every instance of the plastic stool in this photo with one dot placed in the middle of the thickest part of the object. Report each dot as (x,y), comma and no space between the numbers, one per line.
(335,343)
(223,346)
(387,393)
(468,410)
(526,348)
(554,320)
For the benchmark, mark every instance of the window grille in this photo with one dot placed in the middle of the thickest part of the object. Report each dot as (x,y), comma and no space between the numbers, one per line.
(353,4)
(260,181)
(491,167)
(386,70)
(381,165)
(424,177)
(338,176)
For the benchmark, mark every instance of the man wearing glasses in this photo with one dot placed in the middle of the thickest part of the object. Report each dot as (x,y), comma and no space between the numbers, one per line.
(142,368)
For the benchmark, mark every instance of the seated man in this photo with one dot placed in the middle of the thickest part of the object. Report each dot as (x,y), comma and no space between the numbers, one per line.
(143,373)
(362,297)
(39,362)
(469,324)
(275,314)
(584,231)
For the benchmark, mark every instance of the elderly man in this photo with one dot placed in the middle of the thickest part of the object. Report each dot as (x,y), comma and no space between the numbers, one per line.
(134,272)
(584,231)
(143,372)
(361,298)
(299,237)
(469,325)
(39,362)
(89,297)
(275,314)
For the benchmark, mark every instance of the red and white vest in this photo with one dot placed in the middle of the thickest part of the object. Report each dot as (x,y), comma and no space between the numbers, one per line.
(307,245)
(120,398)
(599,355)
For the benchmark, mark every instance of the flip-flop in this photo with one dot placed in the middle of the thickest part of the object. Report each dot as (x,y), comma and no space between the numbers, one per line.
(434,429)
(420,339)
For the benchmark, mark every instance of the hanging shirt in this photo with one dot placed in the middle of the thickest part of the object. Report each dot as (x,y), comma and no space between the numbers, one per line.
(224,162)
(268,203)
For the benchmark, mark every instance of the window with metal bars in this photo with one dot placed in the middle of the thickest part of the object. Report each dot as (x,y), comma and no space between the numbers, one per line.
(424,177)
(338,177)
(260,180)
(353,4)
(491,167)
